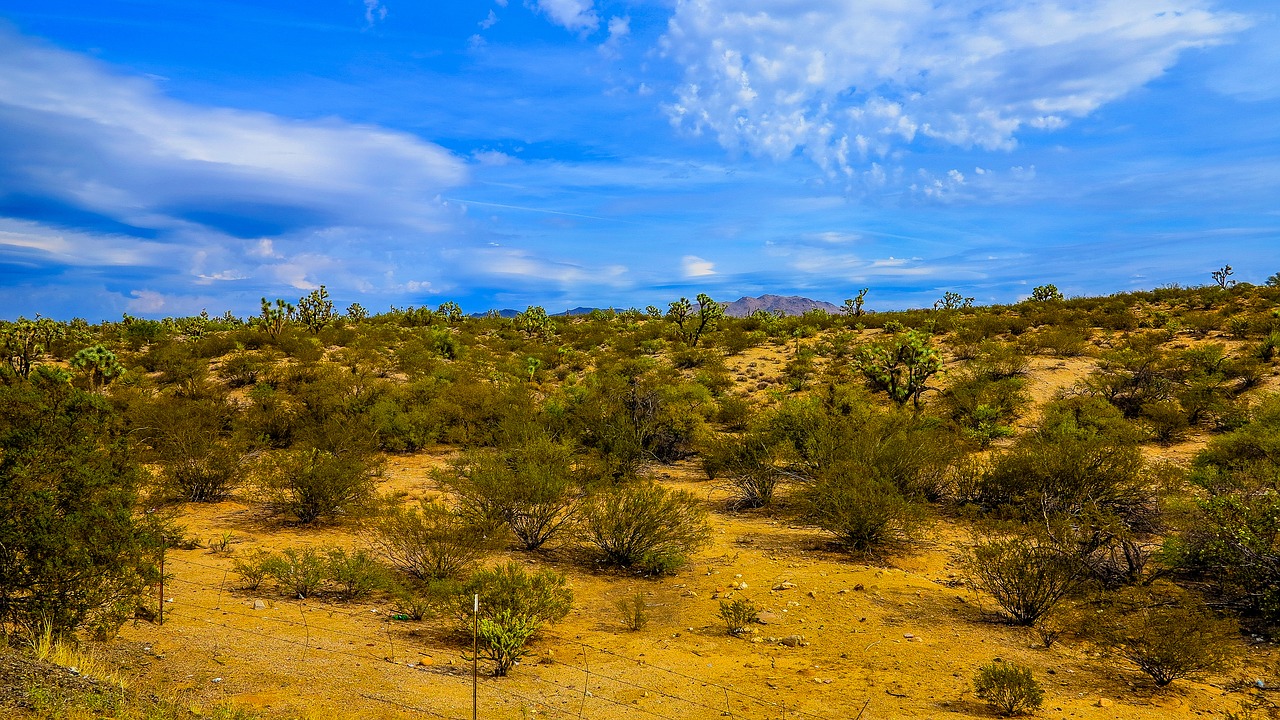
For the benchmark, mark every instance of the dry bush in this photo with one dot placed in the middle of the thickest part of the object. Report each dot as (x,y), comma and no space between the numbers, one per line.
(429,541)
(645,526)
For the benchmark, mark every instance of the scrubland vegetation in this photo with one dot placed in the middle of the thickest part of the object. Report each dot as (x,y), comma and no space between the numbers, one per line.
(875,427)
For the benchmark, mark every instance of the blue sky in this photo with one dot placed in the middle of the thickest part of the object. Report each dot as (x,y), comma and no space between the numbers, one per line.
(163,157)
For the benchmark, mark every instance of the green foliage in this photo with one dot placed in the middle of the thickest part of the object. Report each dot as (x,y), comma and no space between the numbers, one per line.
(513,604)
(24,341)
(953,301)
(1082,460)
(356,313)
(357,572)
(1026,579)
(535,323)
(1009,688)
(899,365)
(299,572)
(737,614)
(527,487)
(633,611)
(71,549)
(853,307)
(99,365)
(189,441)
(315,310)
(645,526)
(1046,293)
(865,512)
(692,325)
(431,541)
(1168,634)
(1232,542)
(311,484)
(503,639)
(985,397)
(253,569)
(509,588)
(274,318)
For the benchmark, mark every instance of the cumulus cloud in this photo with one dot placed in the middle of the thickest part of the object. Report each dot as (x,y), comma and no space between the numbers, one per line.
(846,82)
(578,15)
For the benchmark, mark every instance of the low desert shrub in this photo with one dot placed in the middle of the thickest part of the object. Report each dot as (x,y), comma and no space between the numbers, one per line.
(645,526)
(541,595)
(299,572)
(1169,635)
(253,568)
(429,541)
(1025,578)
(633,611)
(737,614)
(358,572)
(864,512)
(1009,688)
(313,484)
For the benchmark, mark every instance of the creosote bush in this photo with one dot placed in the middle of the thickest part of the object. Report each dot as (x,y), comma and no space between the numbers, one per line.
(1008,687)
(429,541)
(1025,578)
(645,526)
(1168,634)
(313,484)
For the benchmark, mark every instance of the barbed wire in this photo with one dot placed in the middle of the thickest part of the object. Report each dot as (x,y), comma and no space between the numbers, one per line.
(795,711)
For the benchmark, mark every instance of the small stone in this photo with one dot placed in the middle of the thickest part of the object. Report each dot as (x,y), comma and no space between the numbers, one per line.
(793,641)
(784,585)
(1104,702)
(259,605)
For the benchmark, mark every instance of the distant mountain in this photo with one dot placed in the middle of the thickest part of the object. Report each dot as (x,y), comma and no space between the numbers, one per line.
(790,305)
(576,311)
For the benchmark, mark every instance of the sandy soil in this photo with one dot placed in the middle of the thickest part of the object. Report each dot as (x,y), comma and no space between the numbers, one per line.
(900,637)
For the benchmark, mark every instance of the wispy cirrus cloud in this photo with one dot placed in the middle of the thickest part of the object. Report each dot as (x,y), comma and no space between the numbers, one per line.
(848,83)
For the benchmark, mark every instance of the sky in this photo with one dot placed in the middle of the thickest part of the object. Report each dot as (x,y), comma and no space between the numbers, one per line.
(163,157)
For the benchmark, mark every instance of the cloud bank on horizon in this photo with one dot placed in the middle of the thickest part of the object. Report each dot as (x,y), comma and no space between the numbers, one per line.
(580,152)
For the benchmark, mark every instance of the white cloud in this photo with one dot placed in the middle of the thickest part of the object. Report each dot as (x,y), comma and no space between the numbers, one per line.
(147,301)
(619,27)
(845,82)
(694,266)
(489,21)
(374,12)
(571,14)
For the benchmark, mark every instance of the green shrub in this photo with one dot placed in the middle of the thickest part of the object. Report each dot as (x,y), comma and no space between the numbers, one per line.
(73,546)
(299,572)
(737,614)
(644,526)
(253,569)
(1169,635)
(429,541)
(503,637)
(1009,688)
(358,573)
(528,486)
(1026,579)
(510,588)
(865,513)
(633,611)
(313,484)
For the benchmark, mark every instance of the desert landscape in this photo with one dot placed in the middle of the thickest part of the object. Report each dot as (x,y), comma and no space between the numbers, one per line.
(838,622)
